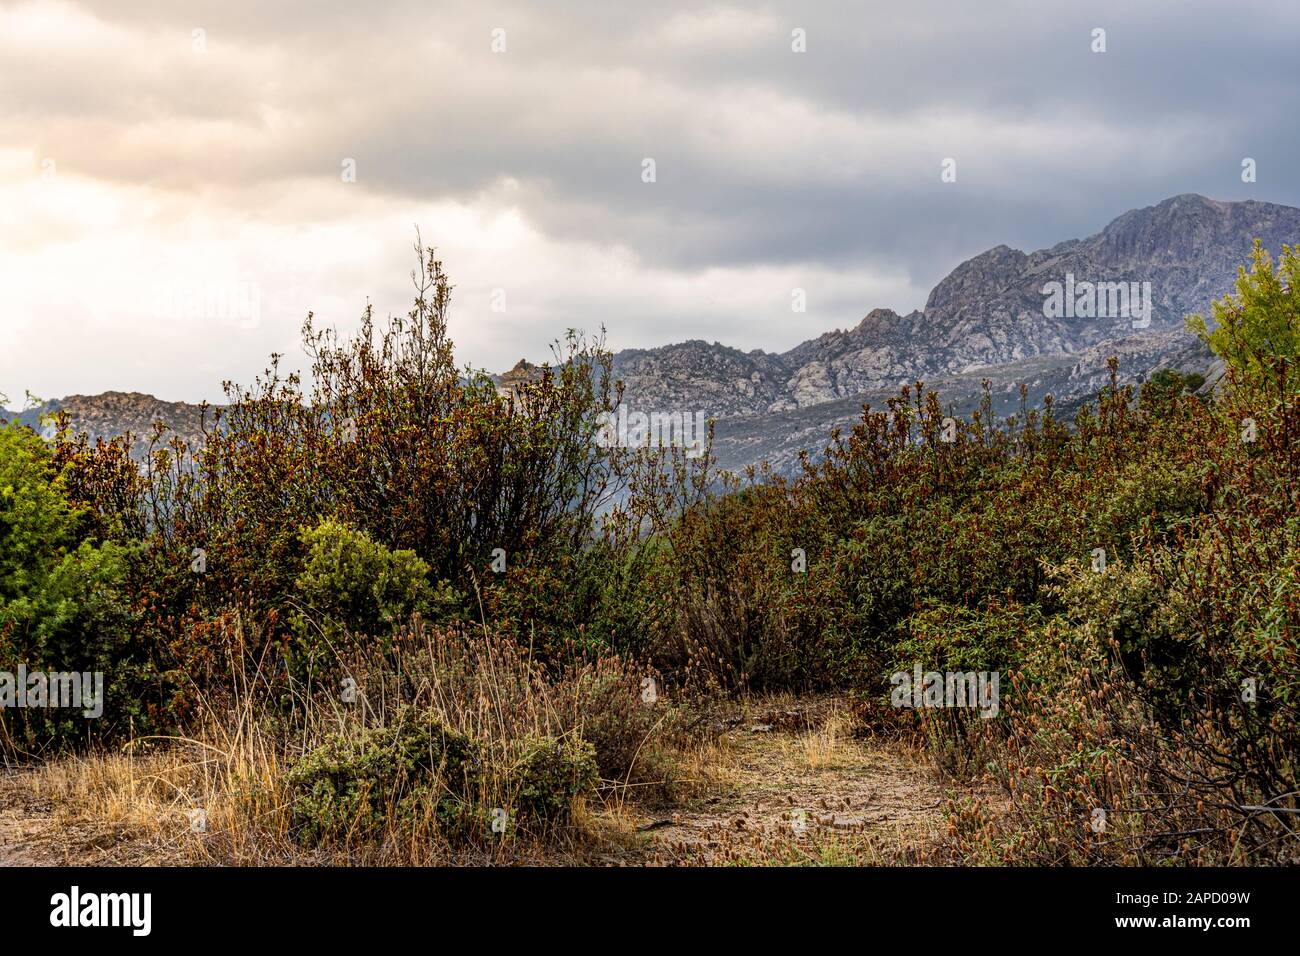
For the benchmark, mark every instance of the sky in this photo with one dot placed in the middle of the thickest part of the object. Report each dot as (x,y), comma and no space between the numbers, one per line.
(182,182)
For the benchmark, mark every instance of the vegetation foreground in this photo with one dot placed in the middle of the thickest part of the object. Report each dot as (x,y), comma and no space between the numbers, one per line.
(395,617)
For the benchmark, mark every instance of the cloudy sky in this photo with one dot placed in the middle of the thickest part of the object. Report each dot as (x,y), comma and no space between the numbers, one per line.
(175,194)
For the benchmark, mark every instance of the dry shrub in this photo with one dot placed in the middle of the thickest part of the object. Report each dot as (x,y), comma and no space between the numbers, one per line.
(1089,776)
(490,688)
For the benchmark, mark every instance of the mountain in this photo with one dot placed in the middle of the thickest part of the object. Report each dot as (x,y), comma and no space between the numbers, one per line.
(115,413)
(989,311)
(695,375)
(1048,319)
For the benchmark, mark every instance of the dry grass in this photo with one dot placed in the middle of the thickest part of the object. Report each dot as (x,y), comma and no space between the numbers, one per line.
(233,768)
(186,801)
(143,806)
(827,746)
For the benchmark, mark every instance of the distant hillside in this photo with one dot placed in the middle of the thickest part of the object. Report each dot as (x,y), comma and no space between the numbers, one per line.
(115,413)
(986,319)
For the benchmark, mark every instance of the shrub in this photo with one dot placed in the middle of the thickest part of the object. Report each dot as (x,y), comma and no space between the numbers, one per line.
(635,734)
(488,686)
(37,522)
(947,638)
(546,774)
(1257,330)
(65,603)
(1125,613)
(953,638)
(354,785)
(1161,391)
(415,774)
(350,585)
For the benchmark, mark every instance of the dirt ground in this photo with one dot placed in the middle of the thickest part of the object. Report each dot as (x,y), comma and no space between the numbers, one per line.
(808,793)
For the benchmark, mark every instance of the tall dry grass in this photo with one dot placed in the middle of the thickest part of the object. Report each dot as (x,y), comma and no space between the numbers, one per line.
(233,764)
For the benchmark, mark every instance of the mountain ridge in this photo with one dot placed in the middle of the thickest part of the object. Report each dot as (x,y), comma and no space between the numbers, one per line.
(986,316)
(989,310)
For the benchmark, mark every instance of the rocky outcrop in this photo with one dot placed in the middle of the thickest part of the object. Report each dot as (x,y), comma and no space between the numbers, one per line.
(992,311)
(696,375)
(1138,357)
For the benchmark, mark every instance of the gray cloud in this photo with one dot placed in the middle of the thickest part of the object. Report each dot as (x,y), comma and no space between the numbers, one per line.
(824,163)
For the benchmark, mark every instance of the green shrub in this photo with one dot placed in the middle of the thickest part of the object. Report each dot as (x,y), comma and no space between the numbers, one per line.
(1160,392)
(1257,330)
(37,523)
(1126,614)
(355,784)
(416,772)
(351,586)
(65,604)
(547,774)
(952,638)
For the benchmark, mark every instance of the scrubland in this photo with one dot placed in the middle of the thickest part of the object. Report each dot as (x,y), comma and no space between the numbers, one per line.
(384,614)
